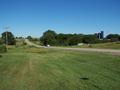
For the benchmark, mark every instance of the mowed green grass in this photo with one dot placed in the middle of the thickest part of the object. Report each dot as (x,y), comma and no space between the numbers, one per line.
(26,68)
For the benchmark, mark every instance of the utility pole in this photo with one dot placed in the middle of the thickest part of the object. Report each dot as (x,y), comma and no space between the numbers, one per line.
(6,39)
(6,35)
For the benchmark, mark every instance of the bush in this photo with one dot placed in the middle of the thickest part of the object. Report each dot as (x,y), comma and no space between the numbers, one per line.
(0,56)
(114,39)
(1,42)
(90,45)
(3,49)
(24,43)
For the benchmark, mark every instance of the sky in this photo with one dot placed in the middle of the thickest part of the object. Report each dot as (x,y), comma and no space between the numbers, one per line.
(33,17)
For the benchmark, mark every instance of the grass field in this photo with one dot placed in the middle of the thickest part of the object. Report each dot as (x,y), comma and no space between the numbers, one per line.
(26,68)
(110,45)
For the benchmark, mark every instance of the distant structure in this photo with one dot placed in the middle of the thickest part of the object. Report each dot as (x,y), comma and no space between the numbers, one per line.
(100,35)
(6,29)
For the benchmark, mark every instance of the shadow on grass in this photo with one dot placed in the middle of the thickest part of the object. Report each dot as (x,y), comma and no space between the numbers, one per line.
(84,78)
(0,56)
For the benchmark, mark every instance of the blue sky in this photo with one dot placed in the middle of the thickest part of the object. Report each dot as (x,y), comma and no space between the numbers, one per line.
(33,17)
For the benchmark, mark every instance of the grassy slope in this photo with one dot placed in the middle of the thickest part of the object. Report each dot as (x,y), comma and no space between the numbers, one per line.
(112,45)
(36,42)
(44,69)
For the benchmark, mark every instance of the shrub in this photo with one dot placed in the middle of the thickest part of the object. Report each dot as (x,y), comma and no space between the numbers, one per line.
(90,45)
(24,43)
(0,56)
(3,49)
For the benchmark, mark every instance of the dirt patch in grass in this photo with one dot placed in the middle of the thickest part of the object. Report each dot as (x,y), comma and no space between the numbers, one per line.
(115,54)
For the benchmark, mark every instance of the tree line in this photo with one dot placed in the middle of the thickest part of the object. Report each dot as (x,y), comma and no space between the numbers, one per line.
(50,37)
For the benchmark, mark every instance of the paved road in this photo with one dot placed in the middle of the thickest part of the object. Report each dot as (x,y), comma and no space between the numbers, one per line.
(115,52)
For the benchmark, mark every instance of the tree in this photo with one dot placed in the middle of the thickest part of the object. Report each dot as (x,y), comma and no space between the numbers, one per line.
(52,38)
(8,38)
(75,39)
(49,38)
(1,41)
(19,37)
(90,39)
(29,38)
(62,39)
(113,37)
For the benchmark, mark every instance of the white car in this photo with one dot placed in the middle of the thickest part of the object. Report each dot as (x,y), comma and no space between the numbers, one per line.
(48,45)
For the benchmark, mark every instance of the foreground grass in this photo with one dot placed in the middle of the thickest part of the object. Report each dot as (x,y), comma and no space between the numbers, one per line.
(47,69)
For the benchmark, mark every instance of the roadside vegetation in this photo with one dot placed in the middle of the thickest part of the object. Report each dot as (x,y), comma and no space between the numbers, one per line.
(109,45)
(52,38)
(113,45)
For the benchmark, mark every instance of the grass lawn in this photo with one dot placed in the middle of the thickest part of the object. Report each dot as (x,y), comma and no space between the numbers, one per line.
(26,68)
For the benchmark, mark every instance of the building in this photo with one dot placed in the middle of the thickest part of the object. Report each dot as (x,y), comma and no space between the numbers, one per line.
(100,35)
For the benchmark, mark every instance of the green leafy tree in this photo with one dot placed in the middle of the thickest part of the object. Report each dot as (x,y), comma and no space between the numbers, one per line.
(62,39)
(8,38)
(49,38)
(75,39)
(1,41)
(113,37)
(90,39)
(29,38)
